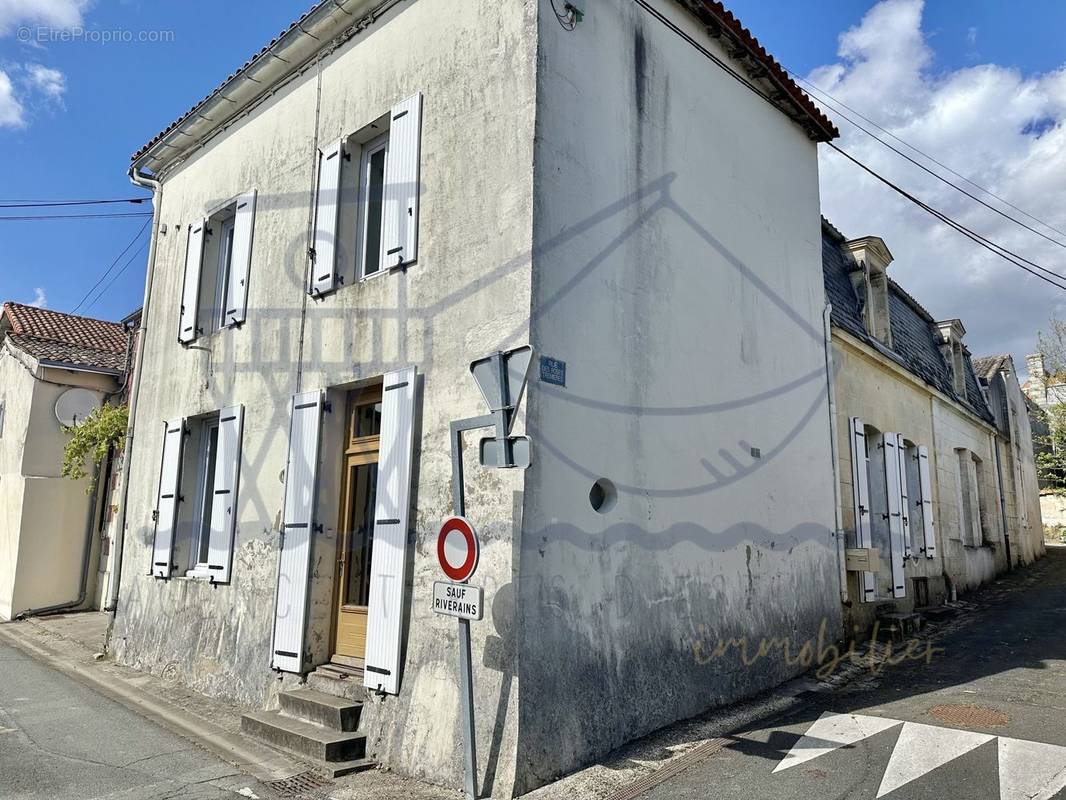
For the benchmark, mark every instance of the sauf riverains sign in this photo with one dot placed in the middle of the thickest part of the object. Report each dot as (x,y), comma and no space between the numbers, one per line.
(458,552)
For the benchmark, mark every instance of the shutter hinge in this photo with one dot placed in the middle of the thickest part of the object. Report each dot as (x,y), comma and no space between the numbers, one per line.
(317,528)
(155,515)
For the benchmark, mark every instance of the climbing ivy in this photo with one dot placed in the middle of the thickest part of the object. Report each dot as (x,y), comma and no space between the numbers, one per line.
(103,429)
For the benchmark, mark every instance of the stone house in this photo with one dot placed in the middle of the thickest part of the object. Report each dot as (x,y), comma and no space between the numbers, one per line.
(54,368)
(936,470)
(390,190)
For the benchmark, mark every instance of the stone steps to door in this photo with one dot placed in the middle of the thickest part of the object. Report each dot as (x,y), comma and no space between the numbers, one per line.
(337,713)
(316,726)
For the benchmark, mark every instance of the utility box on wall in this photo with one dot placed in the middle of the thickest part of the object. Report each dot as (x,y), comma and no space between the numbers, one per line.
(862,559)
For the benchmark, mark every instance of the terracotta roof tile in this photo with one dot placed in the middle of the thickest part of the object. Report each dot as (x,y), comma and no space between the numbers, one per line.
(54,336)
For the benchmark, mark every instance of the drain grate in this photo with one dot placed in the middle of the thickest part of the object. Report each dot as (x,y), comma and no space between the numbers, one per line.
(970,716)
(309,785)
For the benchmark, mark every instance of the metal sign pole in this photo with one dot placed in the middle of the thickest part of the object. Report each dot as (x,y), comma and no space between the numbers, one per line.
(466,677)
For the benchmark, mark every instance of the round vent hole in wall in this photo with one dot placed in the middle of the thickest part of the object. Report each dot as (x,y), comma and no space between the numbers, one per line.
(602,496)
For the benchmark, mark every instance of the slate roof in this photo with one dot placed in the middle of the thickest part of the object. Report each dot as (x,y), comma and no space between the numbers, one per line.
(987,367)
(708,11)
(915,337)
(65,338)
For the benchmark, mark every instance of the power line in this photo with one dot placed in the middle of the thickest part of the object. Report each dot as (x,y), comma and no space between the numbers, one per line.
(112,266)
(905,143)
(77,216)
(941,178)
(116,276)
(52,203)
(988,244)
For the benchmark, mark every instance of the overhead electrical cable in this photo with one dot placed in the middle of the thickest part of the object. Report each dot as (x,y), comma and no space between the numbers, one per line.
(1007,255)
(117,275)
(921,152)
(34,218)
(954,186)
(107,271)
(53,203)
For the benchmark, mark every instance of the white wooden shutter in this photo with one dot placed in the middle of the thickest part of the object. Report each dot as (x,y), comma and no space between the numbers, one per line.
(240,263)
(904,495)
(381,670)
(327,208)
(298,521)
(224,506)
(190,290)
(895,513)
(400,222)
(860,482)
(167,498)
(928,531)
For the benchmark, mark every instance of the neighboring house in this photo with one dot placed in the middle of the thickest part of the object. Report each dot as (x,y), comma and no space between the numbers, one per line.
(1017,456)
(52,367)
(391,190)
(926,467)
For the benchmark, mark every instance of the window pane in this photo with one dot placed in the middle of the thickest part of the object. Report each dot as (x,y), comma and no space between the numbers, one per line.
(209,494)
(364,480)
(375,190)
(368,419)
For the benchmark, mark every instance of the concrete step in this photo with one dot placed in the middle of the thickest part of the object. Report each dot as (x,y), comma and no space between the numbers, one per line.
(337,713)
(304,738)
(335,769)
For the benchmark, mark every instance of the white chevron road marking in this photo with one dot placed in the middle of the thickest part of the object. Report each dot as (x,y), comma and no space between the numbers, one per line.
(1027,770)
(1030,770)
(922,748)
(830,732)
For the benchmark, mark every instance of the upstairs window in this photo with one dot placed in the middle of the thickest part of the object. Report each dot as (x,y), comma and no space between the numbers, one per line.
(217,266)
(366,200)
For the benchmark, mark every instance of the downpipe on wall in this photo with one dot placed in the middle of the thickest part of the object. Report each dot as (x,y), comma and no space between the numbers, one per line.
(827,328)
(146,182)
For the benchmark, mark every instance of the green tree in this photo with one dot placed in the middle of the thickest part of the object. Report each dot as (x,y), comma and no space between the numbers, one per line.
(91,441)
(1051,449)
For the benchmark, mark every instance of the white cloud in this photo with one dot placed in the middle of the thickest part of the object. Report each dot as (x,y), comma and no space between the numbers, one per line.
(49,82)
(1003,129)
(54,13)
(11,111)
(39,299)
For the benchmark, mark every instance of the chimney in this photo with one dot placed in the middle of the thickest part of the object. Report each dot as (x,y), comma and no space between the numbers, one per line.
(1036,365)
(1037,385)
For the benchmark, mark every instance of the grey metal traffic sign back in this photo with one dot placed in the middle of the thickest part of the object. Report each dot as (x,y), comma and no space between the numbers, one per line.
(501,377)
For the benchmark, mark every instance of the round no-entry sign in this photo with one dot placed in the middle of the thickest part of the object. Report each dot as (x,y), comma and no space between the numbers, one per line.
(457,548)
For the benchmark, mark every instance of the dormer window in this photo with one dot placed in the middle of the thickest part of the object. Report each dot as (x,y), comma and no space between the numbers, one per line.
(951,333)
(872,258)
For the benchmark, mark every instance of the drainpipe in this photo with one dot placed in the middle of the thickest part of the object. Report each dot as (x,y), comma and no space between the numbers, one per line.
(145,181)
(827,328)
(86,557)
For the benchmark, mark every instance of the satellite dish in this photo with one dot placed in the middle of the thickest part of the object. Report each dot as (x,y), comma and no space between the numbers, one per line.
(74,405)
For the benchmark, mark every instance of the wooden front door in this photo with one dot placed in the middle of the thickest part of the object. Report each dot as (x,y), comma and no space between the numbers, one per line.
(358,494)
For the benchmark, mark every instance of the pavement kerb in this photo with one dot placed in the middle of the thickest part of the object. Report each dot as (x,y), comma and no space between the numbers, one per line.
(261,762)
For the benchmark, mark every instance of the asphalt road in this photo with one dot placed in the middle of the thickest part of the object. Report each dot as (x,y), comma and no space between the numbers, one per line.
(60,740)
(898,735)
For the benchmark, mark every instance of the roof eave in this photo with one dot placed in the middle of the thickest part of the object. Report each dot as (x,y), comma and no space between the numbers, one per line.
(286,55)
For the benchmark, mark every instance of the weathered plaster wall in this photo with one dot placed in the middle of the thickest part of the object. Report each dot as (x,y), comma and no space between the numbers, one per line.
(887,397)
(1027,528)
(677,271)
(44,514)
(16,393)
(467,295)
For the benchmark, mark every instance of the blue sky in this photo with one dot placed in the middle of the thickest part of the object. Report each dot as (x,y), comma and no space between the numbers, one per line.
(72,112)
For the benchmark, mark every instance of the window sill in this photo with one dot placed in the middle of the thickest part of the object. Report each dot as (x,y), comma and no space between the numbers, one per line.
(195,575)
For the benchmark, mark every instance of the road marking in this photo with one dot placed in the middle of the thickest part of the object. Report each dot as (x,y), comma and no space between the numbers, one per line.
(922,748)
(830,732)
(1027,770)
(1030,770)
